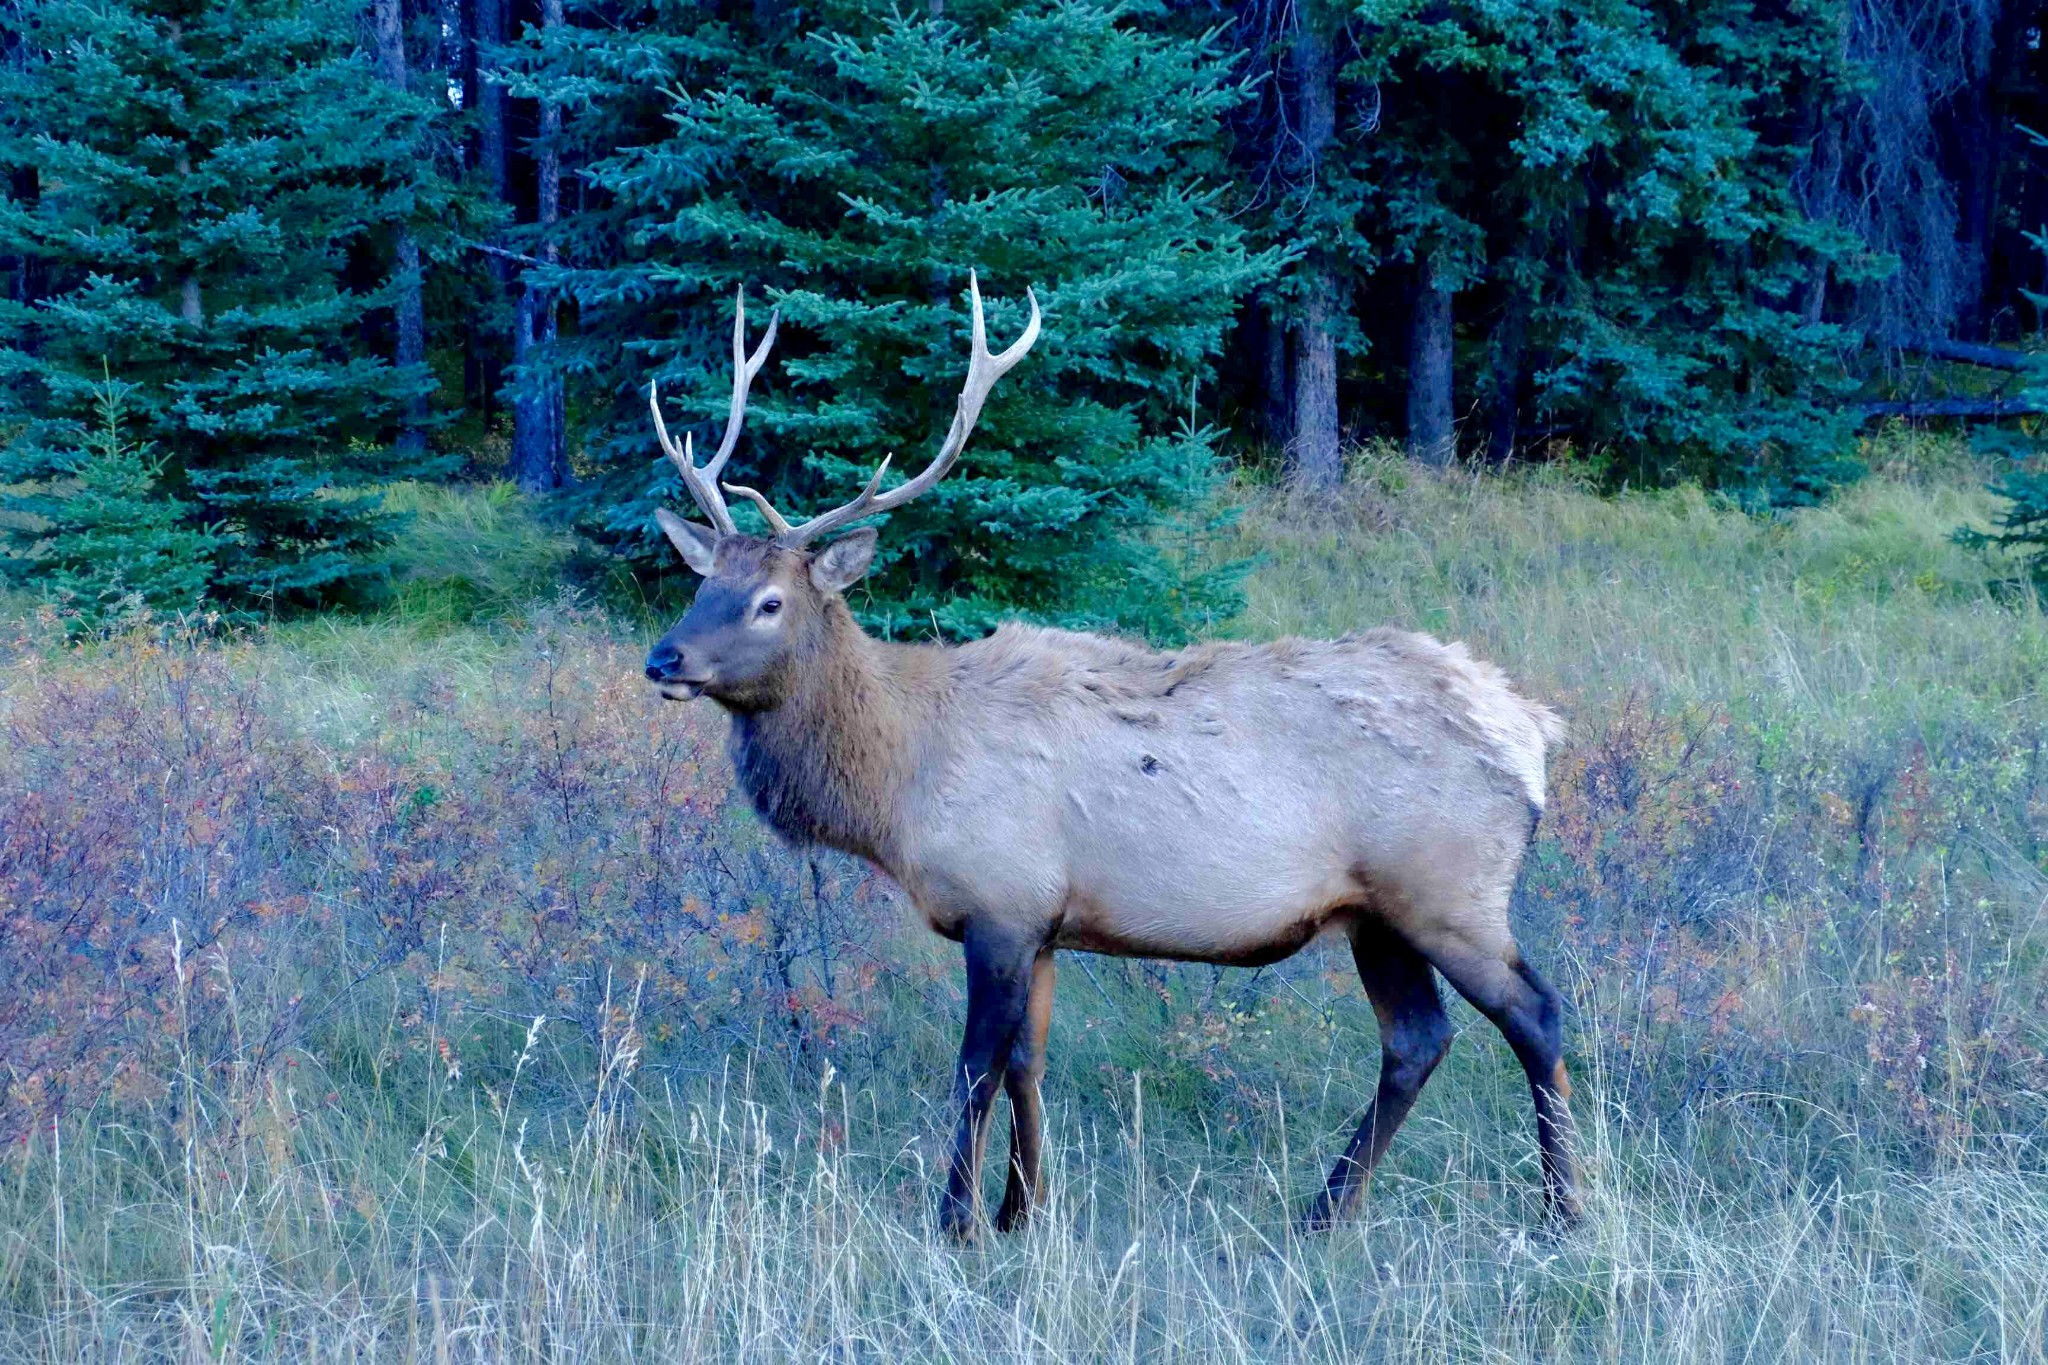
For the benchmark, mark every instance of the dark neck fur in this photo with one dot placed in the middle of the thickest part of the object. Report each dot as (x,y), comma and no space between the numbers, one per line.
(828,763)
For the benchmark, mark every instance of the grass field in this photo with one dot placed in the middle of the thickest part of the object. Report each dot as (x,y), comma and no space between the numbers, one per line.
(410,987)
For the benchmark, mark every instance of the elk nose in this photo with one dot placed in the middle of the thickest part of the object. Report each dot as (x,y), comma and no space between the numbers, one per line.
(663,661)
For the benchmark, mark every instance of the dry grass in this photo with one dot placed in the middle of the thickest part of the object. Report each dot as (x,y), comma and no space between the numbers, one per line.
(424,999)
(641,1225)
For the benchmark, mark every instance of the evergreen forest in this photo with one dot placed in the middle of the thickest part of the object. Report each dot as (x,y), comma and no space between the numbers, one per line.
(261,258)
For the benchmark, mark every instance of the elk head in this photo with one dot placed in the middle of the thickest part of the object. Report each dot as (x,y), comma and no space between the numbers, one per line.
(764,603)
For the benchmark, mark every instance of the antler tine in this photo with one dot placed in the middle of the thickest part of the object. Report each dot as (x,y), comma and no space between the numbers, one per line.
(701,488)
(983,370)
(744,368)
(703,482)
(774,518)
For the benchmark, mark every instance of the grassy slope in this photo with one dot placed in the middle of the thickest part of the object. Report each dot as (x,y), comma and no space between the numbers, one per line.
(1776,1178)
(1858,610)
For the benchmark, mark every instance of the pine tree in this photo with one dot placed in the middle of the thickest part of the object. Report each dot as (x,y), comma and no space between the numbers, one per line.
(107,540)
(850,169)
(205,187)
(1576,211)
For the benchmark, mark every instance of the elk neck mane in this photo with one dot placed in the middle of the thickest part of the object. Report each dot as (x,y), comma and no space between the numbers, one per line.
(830,763)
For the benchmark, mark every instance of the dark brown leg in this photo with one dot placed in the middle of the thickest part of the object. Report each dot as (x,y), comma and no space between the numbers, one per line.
(1415,1033)
(998,991)
(1021,1081)
(1530,1014)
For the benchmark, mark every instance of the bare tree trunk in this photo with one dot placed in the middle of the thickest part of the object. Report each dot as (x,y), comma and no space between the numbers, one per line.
(487,29)
(1979,138)
(1430,436)
(1268,342)
(1510,339)
(22,271)
(1314,459)
(539,457)
(190,307)
(408,303)
(492,149)
(1820,203)
(25,187)
(1990,408)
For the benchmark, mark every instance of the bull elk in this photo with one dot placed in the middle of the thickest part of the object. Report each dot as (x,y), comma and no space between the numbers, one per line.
(1047,789)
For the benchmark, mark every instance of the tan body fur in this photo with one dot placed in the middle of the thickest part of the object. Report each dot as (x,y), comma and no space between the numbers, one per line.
(1222,803)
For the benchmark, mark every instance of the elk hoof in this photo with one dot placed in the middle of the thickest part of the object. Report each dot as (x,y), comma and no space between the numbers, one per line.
(959,1225)
(1566,1212)
(1319,1219)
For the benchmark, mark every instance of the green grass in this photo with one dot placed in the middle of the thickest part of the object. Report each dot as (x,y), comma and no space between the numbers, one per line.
(1794,879)
(466,553)
(1864,608)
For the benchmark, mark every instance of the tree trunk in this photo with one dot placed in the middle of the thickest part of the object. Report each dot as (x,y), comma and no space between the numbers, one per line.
(1314,459)
(539,457)
(1269,337)
(1504,402)
(492,141)
(1430,436)
(1982,137)
(1821,201)
(483,356)
(25,188)
(23,271)
(190,306)
(1969,353)
(407,301)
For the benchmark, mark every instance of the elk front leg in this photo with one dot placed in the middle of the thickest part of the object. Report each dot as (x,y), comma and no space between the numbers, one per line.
(1027,1114)
(999,972)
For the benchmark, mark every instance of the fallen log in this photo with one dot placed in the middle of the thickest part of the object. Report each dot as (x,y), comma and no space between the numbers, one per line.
(1969,408)
(1971,353)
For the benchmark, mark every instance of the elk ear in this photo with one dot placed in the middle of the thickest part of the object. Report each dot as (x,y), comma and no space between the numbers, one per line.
(698,544)
(840,565)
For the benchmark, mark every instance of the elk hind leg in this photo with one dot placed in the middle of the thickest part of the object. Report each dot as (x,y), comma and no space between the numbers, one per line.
(1486,967)
(999,973)
(1415,1033)
(1027,1115)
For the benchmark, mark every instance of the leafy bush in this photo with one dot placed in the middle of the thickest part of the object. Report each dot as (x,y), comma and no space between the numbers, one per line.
(536,835)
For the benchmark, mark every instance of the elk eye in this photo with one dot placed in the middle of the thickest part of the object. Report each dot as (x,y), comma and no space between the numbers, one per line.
(770,605)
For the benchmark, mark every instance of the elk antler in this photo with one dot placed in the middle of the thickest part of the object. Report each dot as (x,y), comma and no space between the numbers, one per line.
(983,370)
(703,483)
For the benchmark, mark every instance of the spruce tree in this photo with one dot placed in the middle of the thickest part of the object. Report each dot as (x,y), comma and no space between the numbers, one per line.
(1572,215)
(106,539)
(205,188)
(850,169)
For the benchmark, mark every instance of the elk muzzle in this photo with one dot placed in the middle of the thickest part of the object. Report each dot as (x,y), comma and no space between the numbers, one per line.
(679,677)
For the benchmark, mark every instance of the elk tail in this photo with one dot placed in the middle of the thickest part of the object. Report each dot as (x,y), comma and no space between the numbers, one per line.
(1548,723)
